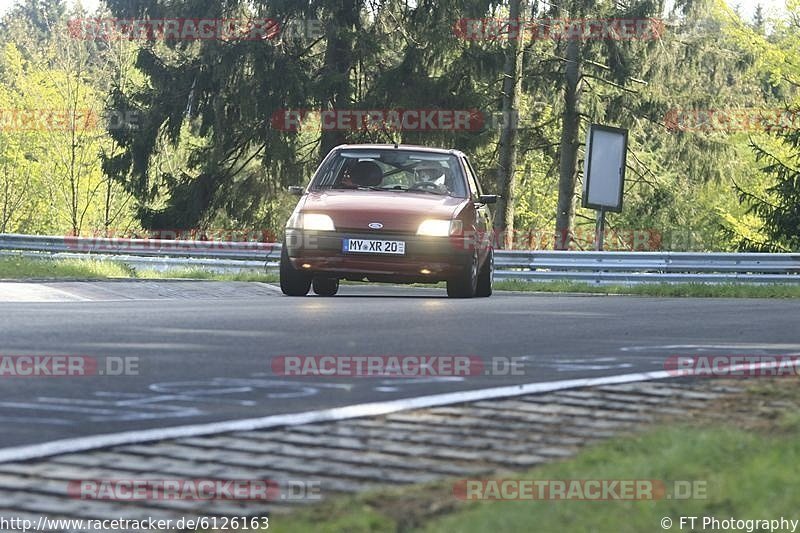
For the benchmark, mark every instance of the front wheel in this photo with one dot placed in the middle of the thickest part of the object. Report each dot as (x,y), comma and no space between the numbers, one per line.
(486,276)
(325,286)
(465,283)
(293,282)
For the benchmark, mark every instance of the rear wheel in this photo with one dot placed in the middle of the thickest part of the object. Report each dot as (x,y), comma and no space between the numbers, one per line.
(325,286)
(486,276)
(465,283)
(293,282)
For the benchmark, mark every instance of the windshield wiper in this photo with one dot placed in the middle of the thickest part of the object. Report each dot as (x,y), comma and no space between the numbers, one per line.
(358,188)
(427,191)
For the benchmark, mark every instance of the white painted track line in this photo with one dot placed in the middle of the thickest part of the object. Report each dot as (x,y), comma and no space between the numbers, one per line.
(62,446)
(35,292)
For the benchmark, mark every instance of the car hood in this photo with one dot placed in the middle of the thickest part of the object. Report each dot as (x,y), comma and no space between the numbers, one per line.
(396,210)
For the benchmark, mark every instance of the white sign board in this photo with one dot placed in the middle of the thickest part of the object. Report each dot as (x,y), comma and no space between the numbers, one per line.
(604,167)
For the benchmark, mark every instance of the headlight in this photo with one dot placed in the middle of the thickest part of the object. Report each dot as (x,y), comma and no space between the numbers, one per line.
(317,222)
(439,228)
(295,221)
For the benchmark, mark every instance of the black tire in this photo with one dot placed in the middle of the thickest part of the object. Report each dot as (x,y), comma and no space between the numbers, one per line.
(486,276)
(325,286)
(465,284)
(293,282)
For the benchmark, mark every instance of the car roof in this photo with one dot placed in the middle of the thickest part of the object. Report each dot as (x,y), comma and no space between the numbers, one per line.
(404,147)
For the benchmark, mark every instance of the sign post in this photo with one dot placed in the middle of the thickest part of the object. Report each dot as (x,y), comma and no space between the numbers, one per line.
(604,173)
(600,229)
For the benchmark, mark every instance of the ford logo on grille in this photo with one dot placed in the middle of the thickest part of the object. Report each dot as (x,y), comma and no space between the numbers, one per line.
(375,225)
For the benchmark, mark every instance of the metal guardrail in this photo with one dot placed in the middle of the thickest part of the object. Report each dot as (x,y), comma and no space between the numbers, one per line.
(154,254)
(532,265)
(648,267)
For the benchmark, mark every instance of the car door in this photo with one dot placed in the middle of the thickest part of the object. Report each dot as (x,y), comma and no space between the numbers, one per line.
(483,217)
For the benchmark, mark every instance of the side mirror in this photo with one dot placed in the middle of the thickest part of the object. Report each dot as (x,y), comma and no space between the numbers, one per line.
(295,190)
(487,198)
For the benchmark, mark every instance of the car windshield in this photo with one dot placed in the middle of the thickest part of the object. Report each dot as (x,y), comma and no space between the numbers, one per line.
(393,170)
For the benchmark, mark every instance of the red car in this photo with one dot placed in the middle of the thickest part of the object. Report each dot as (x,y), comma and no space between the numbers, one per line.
(399,214)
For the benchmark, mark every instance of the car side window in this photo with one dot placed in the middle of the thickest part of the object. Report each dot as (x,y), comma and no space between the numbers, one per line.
(327,173)
(474,186)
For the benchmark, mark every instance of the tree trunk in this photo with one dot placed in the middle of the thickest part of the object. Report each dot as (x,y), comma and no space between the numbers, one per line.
(512,87)
(565,213)
(338,63)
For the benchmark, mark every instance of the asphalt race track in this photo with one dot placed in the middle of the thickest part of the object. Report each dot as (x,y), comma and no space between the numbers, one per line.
(205,356)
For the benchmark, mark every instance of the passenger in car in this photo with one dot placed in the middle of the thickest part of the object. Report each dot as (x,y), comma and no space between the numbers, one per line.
(361,174)
(347,181)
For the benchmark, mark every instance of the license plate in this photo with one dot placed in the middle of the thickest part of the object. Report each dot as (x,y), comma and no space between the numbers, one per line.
(371,246)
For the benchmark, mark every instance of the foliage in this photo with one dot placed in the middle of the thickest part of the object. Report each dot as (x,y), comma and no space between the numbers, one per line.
(201,150)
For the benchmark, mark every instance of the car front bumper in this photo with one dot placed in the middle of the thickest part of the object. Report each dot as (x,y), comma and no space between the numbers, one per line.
(426,259)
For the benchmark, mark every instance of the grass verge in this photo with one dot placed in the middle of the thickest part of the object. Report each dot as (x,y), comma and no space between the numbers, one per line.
(199,273)
(16,267)
(747,464)
(696,290)
(29,268)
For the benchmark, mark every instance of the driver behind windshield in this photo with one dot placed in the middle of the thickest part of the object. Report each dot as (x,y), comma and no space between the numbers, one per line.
(395,172)
(433,176)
